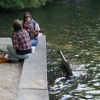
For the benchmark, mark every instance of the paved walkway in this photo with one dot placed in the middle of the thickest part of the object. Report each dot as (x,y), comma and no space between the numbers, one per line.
(9,75)
(28,82)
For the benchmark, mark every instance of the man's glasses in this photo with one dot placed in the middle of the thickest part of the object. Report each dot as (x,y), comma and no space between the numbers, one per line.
(27,16)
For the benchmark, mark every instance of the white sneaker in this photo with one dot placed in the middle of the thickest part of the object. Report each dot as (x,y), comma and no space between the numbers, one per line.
(33,49)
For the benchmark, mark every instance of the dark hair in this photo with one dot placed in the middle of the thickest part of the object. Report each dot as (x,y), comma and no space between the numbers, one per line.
(17,25)
(26,13)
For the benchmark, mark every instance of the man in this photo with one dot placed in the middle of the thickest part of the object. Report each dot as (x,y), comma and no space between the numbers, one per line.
(21,47)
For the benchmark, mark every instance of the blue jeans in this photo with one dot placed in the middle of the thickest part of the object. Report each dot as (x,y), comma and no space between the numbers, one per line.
(34,42)
(13,55)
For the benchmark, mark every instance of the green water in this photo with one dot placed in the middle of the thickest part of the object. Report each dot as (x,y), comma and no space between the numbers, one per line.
(73,28)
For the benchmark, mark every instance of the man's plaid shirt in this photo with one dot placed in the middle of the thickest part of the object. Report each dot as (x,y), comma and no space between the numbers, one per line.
(21,40)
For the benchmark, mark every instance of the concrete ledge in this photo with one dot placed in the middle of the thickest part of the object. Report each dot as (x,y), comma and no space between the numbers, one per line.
(33,81)
(29,94)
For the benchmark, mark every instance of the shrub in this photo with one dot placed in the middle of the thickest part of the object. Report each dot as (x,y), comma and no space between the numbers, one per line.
(21,4)
(12,4)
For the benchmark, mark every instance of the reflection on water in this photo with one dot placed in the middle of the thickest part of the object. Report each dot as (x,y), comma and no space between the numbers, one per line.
(73,28)
(77,35)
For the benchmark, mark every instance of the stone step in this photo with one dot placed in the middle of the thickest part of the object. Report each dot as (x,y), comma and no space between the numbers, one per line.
(33,81)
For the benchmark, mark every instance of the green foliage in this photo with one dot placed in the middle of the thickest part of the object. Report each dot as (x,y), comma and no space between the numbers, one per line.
(12,4)
(34,3)
(31,3)
(21,4)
